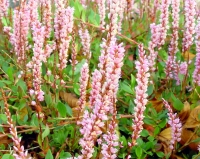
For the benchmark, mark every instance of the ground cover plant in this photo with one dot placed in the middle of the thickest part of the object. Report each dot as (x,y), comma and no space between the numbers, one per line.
(116,79)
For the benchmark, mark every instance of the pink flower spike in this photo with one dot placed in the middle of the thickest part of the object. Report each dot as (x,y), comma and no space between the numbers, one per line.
(83,85)
(142,78)
(175,124)
(196,73)
(190,13)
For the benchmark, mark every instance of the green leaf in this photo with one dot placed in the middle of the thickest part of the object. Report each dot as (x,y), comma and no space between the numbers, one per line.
(156,131)
(49,155)
(7,156)
(3,117)
(138,151)
(131,107)
(150,89)
(64,155)
(46,132)
(10,73)
(69,110)
(133,81)
(177,104)
(160,154)
(62,109)
(126,88)
(76,88)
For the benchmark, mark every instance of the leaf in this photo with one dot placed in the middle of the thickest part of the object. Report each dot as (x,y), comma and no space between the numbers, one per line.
(46,132)
(69,110)
(10,73)
(62,109)
(185,112)
(177,104)
(49,155)
(160,154)
(188,136)
(3,117)
(69,98)
(126,88)
(157,104)
(23,112)
(150,89)
(193,119)
(165,135)
(7,156)
(138,151)
(188,55)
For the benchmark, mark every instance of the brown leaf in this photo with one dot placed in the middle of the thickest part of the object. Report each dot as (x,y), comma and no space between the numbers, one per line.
(157,104)
(187,136)
(165,135)
(193,119)
(188,55)
(22,112)
(69,98)
(185,112)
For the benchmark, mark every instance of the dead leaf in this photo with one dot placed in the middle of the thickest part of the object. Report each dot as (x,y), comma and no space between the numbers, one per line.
(165,135)
(185,112)
(22,112)
(69,98)
(157,104)
(188,136)
(193,119)
(189,55)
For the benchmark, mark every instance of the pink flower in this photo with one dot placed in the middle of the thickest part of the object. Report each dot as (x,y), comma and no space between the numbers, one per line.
(141,95)
(164,20)
(155,40)
(83,85)
(109,146)
(20,31)
(18,150)
(38,57)
(96,87)
(196,73)
(190,13)
(175,124)
(47,16)
(175,25)
(63,24)
(85,41)
(4,4)
(102,12)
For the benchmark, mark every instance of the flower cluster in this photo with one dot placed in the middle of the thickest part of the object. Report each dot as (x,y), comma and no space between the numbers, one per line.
(85,41)
(33,9)
(91,123)
(122,7)
(142,79)
(155,38)
(164,20)
(174,68)
(113,16)
(38,57)
(196,73)
(63,24)
(4,4)
(20,32)
(96,86)
(102,12)
(175,25)
(190,13)
(175,124)
(19,152)
(83,85)
(47,16)
(109,146)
